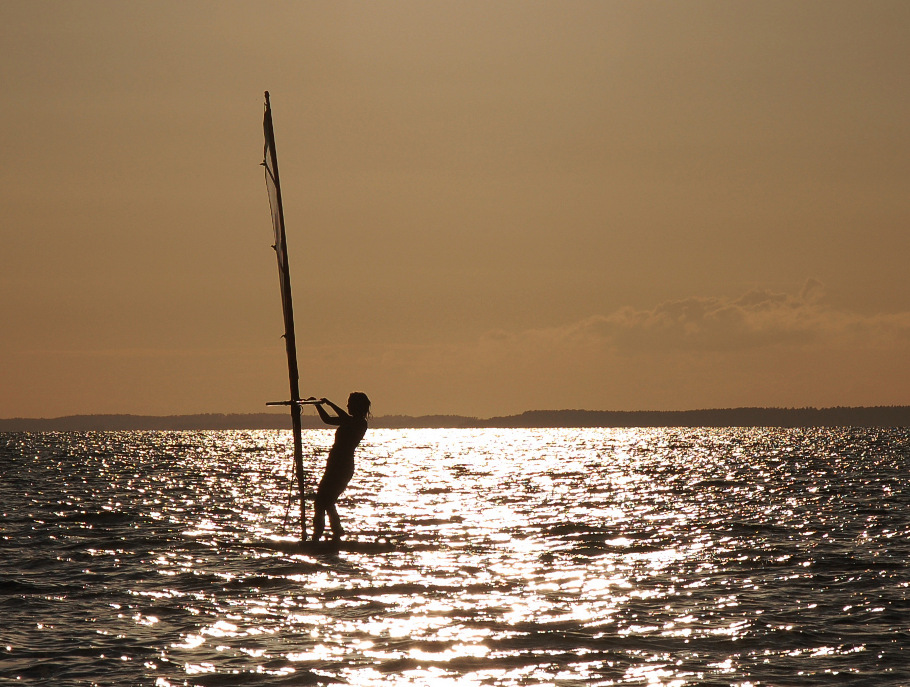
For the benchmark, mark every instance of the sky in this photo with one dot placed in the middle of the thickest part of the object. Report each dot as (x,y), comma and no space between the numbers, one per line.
(492,207)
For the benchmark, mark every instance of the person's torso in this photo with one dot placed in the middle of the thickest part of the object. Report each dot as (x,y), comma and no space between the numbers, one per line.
(347,437)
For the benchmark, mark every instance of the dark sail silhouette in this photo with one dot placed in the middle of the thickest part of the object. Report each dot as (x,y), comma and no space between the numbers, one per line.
(273,184)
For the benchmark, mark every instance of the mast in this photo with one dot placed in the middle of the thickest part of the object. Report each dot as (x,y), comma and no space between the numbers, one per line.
(281,250)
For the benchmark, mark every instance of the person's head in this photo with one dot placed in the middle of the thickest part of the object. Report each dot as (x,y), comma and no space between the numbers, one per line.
(358,404)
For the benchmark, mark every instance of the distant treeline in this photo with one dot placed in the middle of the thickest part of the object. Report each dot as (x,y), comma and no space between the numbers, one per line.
(881,416)
(88,423)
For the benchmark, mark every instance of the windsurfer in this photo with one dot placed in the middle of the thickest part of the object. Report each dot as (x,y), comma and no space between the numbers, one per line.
(339,467)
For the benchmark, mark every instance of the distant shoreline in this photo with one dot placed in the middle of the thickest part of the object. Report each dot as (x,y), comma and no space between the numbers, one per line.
(878,416)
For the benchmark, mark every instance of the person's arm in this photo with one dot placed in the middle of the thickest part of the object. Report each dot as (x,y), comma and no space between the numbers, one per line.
(328,419)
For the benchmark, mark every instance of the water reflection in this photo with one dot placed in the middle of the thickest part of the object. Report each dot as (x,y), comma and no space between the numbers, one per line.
(519,557)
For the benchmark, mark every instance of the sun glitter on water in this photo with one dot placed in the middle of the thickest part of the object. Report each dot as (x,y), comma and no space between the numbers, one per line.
(514,558)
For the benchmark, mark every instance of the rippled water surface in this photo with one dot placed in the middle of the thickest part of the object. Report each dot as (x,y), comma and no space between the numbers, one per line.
(519,557)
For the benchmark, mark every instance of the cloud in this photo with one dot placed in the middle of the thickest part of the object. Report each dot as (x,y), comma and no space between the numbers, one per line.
(761,348)
(758,319)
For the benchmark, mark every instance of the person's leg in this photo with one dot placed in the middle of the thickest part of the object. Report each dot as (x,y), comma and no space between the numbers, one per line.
(318,519)
(337,529)
(327,494)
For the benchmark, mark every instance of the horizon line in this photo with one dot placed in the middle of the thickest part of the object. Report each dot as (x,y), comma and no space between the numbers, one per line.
(704,409)
(743,416)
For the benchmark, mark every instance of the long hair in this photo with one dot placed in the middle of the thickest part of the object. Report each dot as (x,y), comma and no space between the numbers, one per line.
(359,404)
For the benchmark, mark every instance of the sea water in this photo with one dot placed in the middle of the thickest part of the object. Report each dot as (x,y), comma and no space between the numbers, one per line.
(516,557)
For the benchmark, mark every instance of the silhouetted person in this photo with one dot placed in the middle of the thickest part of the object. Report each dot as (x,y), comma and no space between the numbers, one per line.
(339,467)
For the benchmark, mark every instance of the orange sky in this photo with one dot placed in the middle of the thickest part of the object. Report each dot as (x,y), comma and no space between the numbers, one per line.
(491,206)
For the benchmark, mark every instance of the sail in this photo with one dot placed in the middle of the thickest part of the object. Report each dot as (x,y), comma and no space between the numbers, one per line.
(273,185)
